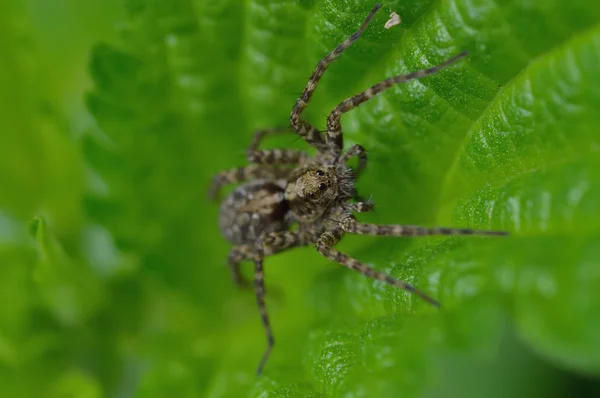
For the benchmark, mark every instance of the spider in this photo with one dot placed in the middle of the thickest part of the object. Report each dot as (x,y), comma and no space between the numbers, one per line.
(283,188)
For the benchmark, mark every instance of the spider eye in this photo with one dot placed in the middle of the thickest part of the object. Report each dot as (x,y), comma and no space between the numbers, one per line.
(320,173)
(322,187)
(311,194)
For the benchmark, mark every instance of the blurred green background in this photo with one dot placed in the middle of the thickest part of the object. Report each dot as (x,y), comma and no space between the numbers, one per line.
(115,114)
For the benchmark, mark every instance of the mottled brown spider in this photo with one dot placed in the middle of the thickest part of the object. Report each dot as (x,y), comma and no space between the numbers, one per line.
(285,187)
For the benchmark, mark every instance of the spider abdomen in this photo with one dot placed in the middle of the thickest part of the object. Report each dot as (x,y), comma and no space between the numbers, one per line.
(252,209)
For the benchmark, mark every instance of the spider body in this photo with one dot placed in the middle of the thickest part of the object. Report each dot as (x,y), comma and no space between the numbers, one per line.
(317,190)
(252,209)
(283,188)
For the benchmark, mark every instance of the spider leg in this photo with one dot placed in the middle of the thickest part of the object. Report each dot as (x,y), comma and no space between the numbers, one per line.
(261,134)
(360,207)
(266,245)
(301,127)
(350,225)
(313,136)
(240,253)
(245,173)
(325,246)
(334,128)
(236,255)
(356,150)
(277,156)
(273,156)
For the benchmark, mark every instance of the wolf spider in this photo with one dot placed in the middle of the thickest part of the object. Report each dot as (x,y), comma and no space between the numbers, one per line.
(286,187)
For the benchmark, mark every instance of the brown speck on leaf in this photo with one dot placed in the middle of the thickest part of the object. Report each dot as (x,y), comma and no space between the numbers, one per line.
(393,21)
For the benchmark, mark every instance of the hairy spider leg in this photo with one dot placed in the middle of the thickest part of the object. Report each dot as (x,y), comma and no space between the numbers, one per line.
(260,135)
(360,207)
(325,246)
(245,173)
(335,139)
(273,156)
(266,245)
(351,225)
(361,153)
(236,255)
(278,156)
(300,126)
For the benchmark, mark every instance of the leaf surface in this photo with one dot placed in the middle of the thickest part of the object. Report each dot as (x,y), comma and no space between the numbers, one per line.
(506,140)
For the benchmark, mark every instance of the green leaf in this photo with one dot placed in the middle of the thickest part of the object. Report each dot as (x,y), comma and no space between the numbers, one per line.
(40,167)
(70,290)
(505,140)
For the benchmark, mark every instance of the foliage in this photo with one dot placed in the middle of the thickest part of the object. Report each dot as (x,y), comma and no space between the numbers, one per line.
(121,287)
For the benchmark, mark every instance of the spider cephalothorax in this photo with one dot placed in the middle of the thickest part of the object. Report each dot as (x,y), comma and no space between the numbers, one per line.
(317,189)
(284,187)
